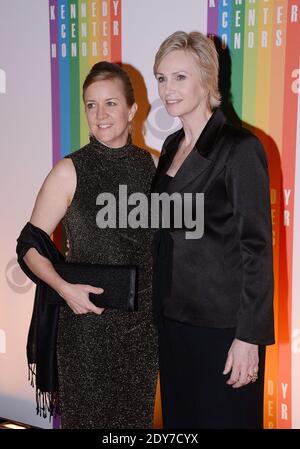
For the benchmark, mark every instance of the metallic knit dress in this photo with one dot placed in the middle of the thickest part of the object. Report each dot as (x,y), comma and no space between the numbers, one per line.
(107,364)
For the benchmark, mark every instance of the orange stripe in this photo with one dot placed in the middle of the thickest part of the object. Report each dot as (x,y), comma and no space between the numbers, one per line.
(274,148)
(116,31)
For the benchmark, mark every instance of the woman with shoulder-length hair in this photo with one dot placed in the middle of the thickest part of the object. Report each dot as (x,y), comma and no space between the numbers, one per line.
(101,364)
(212,293)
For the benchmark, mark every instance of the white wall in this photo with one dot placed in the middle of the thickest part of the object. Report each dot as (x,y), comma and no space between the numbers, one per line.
(26,157)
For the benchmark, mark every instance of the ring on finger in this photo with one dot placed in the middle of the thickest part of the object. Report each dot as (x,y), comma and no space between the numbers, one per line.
(253,377)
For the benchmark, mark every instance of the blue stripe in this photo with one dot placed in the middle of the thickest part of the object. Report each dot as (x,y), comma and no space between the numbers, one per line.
(224,20)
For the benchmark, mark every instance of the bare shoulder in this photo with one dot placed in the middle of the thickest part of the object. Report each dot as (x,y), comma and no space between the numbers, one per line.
(62,177)
(63,169)
(60,182)
(54,196)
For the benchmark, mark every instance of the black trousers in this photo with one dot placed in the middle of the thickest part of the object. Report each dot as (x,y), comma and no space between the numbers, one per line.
(193,388)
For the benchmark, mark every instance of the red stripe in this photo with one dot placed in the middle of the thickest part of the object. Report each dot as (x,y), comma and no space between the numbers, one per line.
(286,232)
(115,31)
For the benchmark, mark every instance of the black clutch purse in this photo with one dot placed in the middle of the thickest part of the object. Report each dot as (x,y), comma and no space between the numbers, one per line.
(118,281)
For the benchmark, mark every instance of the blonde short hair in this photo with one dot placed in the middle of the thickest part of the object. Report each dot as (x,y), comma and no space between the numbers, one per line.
(206,54)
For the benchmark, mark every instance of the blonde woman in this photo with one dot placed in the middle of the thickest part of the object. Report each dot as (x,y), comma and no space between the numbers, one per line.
(213,296)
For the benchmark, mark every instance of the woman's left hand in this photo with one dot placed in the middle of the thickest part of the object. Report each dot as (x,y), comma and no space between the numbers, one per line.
(242,361)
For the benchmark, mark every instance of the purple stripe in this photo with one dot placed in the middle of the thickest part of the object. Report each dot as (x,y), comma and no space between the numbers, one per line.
(212,17)
(55,84)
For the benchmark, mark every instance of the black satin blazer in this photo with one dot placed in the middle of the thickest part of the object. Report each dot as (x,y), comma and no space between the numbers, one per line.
(225,278)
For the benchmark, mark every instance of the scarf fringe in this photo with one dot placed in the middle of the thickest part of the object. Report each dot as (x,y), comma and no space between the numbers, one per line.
(47,403)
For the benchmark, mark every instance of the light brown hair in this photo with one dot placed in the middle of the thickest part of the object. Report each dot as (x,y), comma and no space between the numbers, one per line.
(104,70)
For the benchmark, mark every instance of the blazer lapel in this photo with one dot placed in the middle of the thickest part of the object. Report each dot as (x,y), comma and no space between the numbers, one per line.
(166,158)
(197,161)
(193,166)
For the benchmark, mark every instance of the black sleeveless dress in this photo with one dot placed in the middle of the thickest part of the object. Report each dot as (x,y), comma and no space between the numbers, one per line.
(107,365)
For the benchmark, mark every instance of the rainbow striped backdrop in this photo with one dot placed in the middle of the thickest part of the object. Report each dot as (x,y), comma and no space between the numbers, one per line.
(82,32)
(264,42)
(263,37)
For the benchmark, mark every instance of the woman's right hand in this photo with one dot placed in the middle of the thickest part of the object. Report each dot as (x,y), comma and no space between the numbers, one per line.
(77,298)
